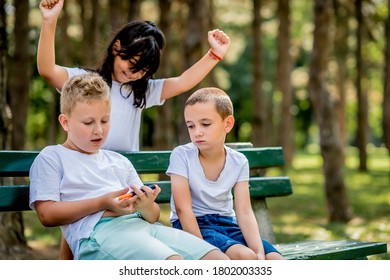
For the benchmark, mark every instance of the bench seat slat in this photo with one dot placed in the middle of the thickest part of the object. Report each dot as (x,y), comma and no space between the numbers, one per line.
(331,250)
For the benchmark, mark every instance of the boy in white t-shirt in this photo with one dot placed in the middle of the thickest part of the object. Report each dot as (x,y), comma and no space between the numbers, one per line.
(74,185)
(204,173)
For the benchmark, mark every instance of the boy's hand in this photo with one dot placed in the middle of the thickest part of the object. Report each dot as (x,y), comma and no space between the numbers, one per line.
(145,198)
(219,42)
(51,8)
(116,208)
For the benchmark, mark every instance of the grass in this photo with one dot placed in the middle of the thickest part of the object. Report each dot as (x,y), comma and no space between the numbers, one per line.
(303,215)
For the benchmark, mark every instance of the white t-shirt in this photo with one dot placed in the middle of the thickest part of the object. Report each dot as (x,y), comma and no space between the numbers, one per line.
(125,117)
(61,174)
(208,197)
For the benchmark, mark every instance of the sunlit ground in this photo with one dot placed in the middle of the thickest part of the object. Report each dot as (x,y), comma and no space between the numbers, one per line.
(303,214)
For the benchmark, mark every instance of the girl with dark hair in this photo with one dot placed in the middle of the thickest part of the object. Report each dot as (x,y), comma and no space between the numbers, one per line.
(131,59)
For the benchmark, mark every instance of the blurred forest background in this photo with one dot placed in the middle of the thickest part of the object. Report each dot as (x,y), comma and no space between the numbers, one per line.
(304,75)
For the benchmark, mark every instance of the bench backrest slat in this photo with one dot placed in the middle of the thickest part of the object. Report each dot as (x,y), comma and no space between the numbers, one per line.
(17,163)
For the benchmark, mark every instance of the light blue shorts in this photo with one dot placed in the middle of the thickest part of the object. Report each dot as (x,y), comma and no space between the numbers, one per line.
(130,237)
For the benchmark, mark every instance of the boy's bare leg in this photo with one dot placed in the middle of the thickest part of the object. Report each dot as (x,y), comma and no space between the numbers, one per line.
(175,257)
(240,252)
(215,255)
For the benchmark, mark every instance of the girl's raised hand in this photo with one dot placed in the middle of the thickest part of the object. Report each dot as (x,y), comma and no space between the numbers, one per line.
(219,42)
(51,8)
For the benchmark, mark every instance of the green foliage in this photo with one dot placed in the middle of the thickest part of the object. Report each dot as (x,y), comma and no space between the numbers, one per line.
(39,114)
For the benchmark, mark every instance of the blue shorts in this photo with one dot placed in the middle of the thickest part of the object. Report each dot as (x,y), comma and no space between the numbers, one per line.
(223,232)
(130,237)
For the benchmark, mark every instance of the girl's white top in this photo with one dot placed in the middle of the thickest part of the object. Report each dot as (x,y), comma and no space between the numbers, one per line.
(125,120)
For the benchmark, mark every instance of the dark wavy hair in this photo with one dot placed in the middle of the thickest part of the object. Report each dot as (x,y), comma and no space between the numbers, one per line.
(137,37)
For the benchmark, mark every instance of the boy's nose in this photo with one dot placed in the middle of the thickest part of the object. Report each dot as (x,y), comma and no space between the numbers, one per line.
(198,132)
(98,129)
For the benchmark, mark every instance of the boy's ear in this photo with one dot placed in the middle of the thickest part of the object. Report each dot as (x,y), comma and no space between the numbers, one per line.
(63,119)
(229,123)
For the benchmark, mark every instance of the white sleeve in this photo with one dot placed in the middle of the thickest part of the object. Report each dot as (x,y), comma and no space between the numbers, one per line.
(178,163)
(74,71)
(45,179)
(153,93)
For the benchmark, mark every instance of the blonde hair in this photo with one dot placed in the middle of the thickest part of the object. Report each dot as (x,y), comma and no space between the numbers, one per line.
(83,88)
(222,101)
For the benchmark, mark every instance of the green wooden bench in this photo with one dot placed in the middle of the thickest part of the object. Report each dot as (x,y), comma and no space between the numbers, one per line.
(14,197)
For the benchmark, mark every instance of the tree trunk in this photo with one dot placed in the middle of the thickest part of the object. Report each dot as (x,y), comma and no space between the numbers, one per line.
(91,31)
(283,81)
(4,116)
(259,137)
(362,114)
(164,130)
(192,53)
(386,93)
(13,244)
(331,146)
(134,9)
(341,52)
(20,75)
(117,17)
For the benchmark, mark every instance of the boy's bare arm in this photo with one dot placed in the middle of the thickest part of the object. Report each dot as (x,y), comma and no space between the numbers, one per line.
(56,213)
(246,219)
(183,203)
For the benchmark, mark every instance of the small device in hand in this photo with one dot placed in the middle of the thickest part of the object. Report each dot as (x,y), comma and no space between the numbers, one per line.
(131,194)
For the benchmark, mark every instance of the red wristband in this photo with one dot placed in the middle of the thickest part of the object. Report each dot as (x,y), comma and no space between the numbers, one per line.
(214,56)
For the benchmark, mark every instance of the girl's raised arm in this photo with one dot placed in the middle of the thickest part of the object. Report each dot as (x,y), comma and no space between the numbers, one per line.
(219,44)
(56,75)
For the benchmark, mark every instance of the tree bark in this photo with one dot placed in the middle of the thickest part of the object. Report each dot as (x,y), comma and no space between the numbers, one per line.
(13,244)
(20,75)
(283,81)
(163,136)
(341,52)
(362,113)
(117,17)
(134,9)
(259,137)
(386,93)
(192,53)
(330,144)
(4,116)
(91,32)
